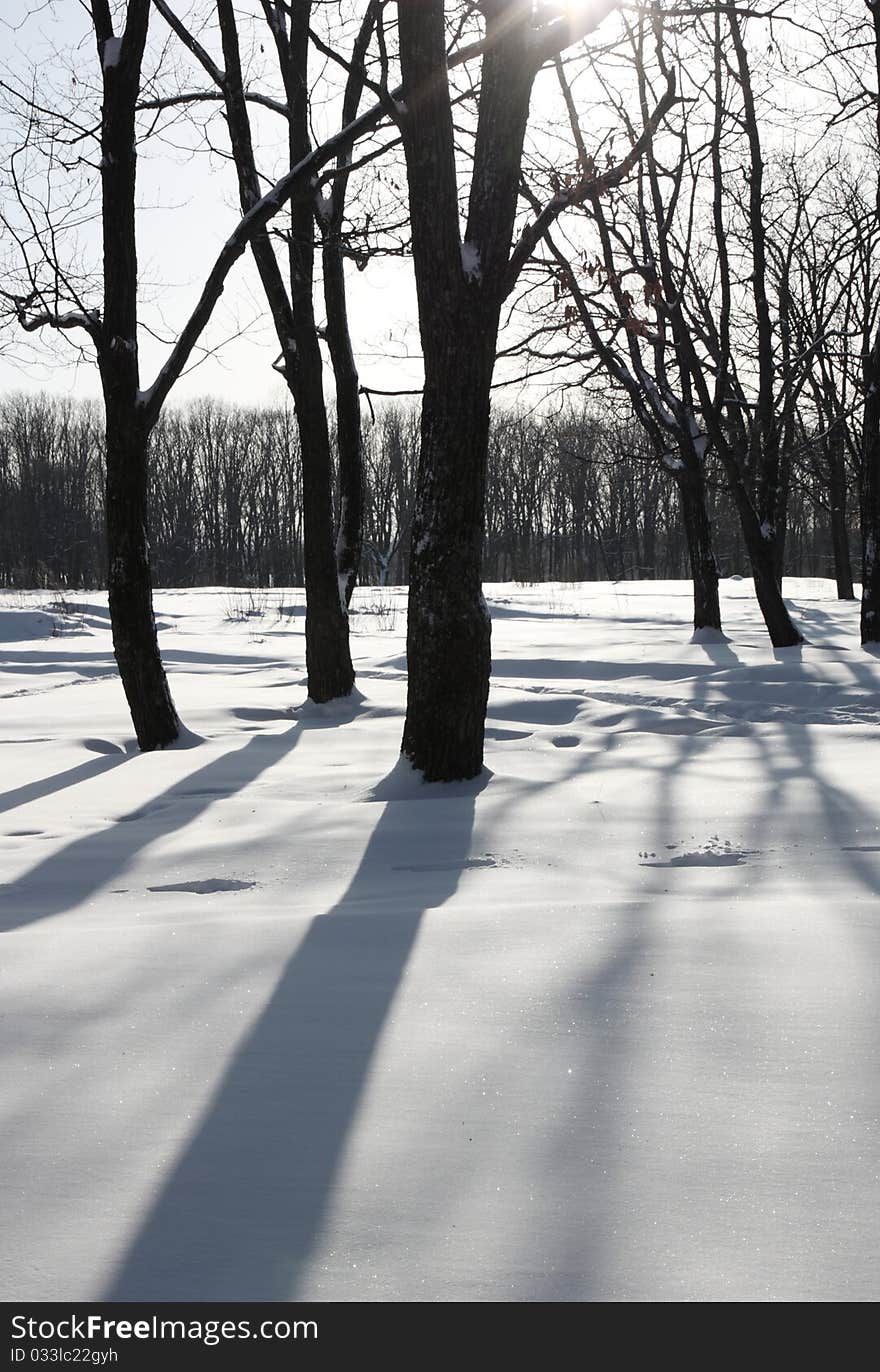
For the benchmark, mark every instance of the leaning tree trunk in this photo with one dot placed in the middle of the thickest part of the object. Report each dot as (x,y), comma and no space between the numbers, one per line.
(871,497)
(129,584)
(448,631)
(780,627)
(698,535)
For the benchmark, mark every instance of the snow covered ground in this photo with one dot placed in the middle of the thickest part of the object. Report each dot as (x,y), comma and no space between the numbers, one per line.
(279,1021)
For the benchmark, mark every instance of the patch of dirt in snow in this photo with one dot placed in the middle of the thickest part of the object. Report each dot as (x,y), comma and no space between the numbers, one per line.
(487,860)
(209,887)
(714,853)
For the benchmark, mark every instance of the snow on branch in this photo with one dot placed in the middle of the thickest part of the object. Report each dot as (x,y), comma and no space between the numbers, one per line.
(32,320)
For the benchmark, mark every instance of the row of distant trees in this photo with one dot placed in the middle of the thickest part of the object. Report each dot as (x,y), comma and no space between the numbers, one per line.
(571,497)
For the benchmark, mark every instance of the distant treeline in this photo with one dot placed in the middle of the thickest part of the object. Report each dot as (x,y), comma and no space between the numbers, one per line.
(574,496)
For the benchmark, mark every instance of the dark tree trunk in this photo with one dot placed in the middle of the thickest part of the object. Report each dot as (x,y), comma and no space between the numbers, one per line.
(698,534)
(448,630)
(762,549)
(328,657)
(349,440)
(129,584)
(460,287)
(870,618)
(349,536)
(780,627)
(839,532)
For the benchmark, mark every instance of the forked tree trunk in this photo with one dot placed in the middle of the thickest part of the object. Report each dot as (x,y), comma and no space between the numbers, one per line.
(460,287)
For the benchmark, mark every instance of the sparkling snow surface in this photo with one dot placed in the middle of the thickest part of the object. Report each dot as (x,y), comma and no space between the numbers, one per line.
(279,1020)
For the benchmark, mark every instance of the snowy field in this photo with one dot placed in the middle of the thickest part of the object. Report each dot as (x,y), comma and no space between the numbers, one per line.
(279,1021)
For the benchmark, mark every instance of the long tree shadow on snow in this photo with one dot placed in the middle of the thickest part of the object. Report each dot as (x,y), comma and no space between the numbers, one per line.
(83,867)
(239,1217)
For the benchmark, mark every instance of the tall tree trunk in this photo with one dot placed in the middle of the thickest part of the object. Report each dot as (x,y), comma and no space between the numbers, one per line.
(328,659)
(870,618)
(460,287)
(135,641)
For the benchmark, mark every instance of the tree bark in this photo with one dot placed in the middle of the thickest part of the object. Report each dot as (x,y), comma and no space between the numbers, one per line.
(349,442)
(839,532)
(698,535)
(448,629)
(129,583)
(870,615)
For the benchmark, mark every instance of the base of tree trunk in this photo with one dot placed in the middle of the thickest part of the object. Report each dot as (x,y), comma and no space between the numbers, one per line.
(780,626)
(870,612)
(449,656)
(136,647)
(130,586)
(328,659)
(704,569)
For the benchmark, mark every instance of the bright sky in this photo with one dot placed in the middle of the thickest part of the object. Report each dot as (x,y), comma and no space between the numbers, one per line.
(187,209)
(188,205)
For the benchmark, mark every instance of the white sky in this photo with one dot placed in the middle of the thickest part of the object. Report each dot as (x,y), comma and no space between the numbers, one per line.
(187,208)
